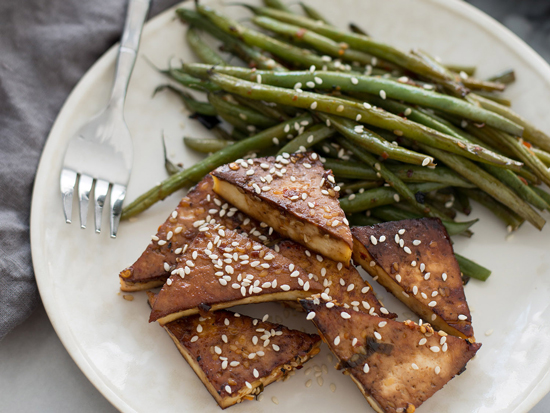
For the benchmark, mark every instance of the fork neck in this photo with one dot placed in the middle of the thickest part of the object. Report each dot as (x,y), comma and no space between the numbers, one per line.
(124,67)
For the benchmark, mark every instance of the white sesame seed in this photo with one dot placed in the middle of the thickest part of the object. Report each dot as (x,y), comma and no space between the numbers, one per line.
(354,80)
(437,369)
(365,290)
(383,94)
(422,267)
(398,278)
(199,328)
(384,311)
(414,366)
(373,240)
(372,263)
(427,276)
(162,242)
(462,317)
(194,338)
(444,276)
(432,304)
(382,238)
(340,108)
(350,287)
(377,335)
(166,266)
(435,349)
(407,250)
(337,340)
(366,368)
(285,287)
(345,315)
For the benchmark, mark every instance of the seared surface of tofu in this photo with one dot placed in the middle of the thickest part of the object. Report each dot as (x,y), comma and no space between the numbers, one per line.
(199,207)
(414,260)
(341,285)
(294,195)
(397,366)
(236,356)
(222,268)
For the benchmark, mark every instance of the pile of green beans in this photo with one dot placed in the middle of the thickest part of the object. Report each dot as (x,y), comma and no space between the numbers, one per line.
(404,135)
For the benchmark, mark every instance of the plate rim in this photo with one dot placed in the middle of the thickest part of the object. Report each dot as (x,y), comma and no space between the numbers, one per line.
(460,7)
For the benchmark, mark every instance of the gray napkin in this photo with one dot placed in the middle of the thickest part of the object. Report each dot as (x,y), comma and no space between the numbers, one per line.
(45,48)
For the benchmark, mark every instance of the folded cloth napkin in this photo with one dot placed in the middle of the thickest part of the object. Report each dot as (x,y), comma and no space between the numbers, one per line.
(45,48)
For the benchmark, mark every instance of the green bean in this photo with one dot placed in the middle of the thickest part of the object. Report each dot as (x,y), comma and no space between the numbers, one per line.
(246,115)
(469,70)
(189,101)
(203,51)
(327,150)
(441,210)
(462,202)
(543,194)
(289,53)
(487,183)
(495,97)
(542,155)
(277,4)
(233,45)
(392,213)
(321,43)
(269,111)
(373,142)
(507,76)
(351,110)
(195,173)
(312,13)
(382,196)
(356,29)
(360,186)
(191,81)
(388,176)
(361,220)
(205,145)
(310,137)
(506,215)
(523,153)
(531,132)
(407,173)
(171,169)
(354,40)
(472,269)
(347,82)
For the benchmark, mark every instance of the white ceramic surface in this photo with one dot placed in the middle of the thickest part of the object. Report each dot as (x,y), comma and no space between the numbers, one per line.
(136,366)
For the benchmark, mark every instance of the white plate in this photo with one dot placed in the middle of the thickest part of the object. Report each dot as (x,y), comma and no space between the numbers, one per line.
(134,363)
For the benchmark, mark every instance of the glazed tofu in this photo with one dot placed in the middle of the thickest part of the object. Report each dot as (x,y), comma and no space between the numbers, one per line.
(236,356)
(341,285)
(200,207)
(397,366)
(414,260)
(222,268)
(294,195)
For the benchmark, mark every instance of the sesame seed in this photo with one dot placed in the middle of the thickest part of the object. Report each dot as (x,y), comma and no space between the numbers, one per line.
(319,258)
(432,304)
(275,400)
(435,349)
(194,338)
(408,111)
(345,315)
(366,368)
(337,340)
(462,317)
(413,264)
(367,105)
(398,278)
(434,293)
(365,290)
(217,350)
(372,263)
(285,287)
(437,369)
(377,335)
(350,287)
(199,328)
(335,223)
(422,341)
(162,242)
(154,238)
(414,366)
(427,276)
(444,276)
(166,266)
(422,267)
(416,242)
(255,373)
(373,240)
(384,311)
(309,383)
(340,108)
(383,94)
(407,250)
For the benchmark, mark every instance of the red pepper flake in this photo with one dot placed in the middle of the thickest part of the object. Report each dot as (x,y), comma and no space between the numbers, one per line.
(384,155)
(294,97)
(523,180)
(527,144)
(300,33)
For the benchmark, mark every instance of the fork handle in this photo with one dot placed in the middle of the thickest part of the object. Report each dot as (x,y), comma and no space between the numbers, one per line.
(127,52)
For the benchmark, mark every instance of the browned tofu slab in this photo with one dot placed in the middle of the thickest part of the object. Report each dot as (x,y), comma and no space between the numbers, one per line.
(342,285)
(414,260)
(236,356)
(294,195)
(222,268)
(397,366)
(199,207)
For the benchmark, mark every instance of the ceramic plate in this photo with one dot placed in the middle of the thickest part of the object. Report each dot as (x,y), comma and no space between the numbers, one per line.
(135,364)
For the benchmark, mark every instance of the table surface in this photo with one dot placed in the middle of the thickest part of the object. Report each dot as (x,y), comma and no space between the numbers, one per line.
(32,357)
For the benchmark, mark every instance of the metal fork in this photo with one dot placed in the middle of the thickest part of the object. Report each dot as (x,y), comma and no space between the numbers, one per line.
(101,152)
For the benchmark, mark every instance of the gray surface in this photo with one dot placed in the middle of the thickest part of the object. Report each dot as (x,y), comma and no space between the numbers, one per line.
(36,373)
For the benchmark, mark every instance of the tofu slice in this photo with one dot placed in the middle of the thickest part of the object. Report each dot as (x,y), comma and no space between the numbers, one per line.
(342,285)
(200,205)
(236,356)
(397,366)
(294,195)
(222,268)
(416,263)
